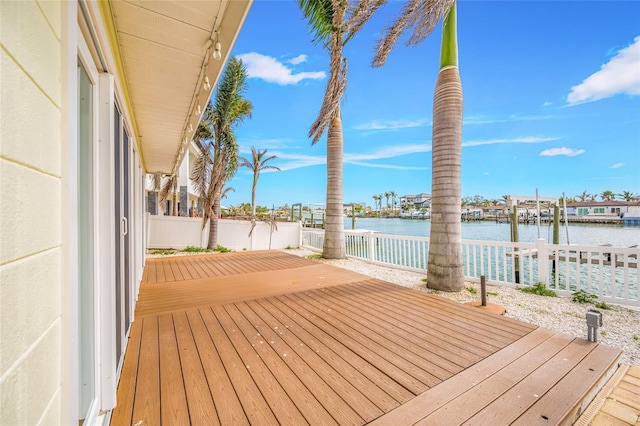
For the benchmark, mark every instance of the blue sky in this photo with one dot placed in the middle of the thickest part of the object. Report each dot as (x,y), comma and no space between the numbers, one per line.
(551,92)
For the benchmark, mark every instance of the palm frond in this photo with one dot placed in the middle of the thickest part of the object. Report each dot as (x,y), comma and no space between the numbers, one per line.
(167,188)
(319,13)
(156,181)
(421,15)
(359,16)
(200,173)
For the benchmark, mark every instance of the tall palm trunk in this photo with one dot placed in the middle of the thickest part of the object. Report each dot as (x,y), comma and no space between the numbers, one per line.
(176,197)
(253,195)
(445,271)
(213,223)
(334,244)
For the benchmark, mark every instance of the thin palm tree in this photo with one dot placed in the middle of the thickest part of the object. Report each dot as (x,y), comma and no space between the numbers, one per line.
(387,195)
(444,271)
(376,200)
(334,23)
(257,164)
(584,196)
(393,200)
(219,160)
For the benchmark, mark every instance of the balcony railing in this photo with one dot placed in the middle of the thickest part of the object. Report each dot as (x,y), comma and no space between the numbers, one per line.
(611,273)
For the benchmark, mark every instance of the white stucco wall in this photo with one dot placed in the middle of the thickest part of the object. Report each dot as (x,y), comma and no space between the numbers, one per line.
(30,212)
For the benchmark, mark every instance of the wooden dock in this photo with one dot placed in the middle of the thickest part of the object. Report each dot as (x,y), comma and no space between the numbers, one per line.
(270,338)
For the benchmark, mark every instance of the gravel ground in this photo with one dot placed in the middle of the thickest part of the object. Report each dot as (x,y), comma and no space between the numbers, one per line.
(621,325)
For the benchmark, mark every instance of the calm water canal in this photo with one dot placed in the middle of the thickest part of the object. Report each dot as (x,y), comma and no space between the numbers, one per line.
(583,234)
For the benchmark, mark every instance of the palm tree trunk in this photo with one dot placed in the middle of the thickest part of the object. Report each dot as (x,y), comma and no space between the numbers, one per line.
(253,195)
(174,211)
(213,223)
(445,271)
(334,223)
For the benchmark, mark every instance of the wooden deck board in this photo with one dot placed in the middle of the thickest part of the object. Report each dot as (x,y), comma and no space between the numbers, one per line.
(123,414)
(146,405)
(270,338)
(330,387)
(201,407)
(173,400)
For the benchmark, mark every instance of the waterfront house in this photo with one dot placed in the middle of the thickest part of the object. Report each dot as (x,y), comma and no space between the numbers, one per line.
(94,96)
(612,208)
(415,205)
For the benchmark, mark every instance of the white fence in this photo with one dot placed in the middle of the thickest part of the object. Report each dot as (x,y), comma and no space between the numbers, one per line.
(175,232)
(609,272)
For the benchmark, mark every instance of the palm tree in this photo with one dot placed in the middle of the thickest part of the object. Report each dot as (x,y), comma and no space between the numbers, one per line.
(376,200)
(334,23)
(393,200)
(584,196)
(257,164)
(607,195)
(386,196)
(444,271)
(628,196)
(219,160)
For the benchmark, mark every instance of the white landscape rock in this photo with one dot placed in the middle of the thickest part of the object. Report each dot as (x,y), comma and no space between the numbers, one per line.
(621,325)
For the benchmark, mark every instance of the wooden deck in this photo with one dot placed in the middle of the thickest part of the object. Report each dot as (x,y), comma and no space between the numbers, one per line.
(271,338)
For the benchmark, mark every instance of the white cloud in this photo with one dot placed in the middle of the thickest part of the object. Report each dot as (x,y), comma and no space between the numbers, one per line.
(546,104)
(527,139)
(288,161)
(552,152)
(271,70)
(619,75)
(298,59)
(617,166)
(392,124)
(296,161)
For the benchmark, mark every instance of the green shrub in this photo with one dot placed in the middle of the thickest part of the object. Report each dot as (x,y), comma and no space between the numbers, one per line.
(163,252)
(603,305)
(472,290)
(583,297)
(539,289)
(222,249)
(194,249)
(492,293)
(314,256)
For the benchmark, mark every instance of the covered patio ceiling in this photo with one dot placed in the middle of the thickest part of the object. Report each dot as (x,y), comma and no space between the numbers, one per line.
(166,51)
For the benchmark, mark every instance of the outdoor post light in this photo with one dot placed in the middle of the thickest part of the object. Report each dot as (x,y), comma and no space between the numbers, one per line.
(594,321)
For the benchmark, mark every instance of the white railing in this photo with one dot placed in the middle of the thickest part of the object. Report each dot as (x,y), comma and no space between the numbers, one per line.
(611,273)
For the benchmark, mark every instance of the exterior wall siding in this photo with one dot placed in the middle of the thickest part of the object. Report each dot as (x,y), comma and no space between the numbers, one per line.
(30,212)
